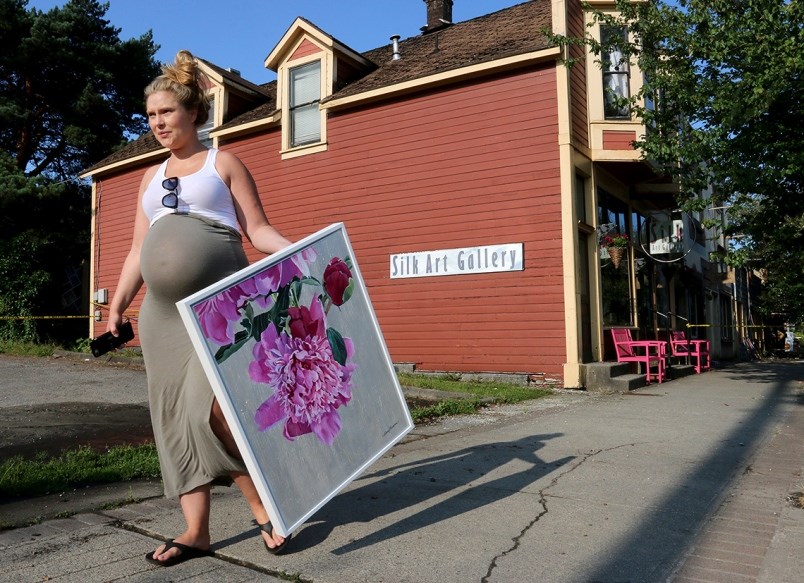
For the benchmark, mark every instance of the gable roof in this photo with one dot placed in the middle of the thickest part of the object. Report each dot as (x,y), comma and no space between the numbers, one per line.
(147,143)
(301,27)
(518,30)
(508,32)
(233,78)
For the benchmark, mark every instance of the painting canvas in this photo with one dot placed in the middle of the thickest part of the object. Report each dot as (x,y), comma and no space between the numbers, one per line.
(296,359)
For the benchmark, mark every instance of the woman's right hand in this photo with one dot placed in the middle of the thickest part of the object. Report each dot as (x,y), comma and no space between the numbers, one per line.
(115,320)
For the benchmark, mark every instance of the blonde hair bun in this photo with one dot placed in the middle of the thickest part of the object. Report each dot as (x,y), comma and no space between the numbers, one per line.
(184,69)
(187,82)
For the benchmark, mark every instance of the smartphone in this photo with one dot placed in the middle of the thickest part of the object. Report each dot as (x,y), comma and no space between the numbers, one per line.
(106,342)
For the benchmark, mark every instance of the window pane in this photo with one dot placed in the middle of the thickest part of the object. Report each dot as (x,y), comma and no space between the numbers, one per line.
(580,197)
(305,94)
(305,84)
(305,125)
(203,131)
(615,282)
(615,73)
(615,91)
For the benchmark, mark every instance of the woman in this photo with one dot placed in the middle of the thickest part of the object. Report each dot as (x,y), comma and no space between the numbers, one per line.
(185,238)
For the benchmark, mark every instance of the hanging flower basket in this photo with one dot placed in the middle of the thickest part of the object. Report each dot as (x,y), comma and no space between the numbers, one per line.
(616,254)
(616,245)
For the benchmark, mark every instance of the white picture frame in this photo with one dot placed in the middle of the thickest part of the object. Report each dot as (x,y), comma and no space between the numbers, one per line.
(303,435)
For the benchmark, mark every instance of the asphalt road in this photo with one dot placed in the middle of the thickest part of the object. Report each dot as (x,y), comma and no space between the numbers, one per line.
(61,402)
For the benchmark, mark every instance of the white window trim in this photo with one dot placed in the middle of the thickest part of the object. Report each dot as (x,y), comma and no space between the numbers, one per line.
(283,91)
(595,107)
(218,103)
(616,74)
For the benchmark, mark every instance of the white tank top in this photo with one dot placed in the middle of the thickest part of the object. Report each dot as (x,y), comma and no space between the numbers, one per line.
(203,193)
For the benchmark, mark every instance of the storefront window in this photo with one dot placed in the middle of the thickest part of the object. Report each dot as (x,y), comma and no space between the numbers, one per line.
(615,280)
(726,318)
(645,278)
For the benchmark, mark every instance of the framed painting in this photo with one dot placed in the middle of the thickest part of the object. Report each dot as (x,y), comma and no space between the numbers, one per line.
(296,359)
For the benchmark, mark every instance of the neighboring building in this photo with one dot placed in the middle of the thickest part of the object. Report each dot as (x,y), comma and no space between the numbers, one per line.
(469,139)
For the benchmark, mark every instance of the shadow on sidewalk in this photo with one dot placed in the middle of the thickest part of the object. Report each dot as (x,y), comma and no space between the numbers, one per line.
(407,486)
(654,550)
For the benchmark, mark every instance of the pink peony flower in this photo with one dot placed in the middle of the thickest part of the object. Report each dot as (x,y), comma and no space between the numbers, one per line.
(303,323)
(308,384)
(217,315)
(270,280)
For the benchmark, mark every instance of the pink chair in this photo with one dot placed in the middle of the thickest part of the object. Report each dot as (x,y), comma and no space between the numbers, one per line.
(647,352)
(690,349)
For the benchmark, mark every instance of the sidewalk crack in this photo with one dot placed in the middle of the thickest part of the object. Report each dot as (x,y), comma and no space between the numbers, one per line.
(543,503)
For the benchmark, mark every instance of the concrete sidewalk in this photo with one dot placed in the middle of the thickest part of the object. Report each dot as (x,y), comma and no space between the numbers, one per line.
(690,480)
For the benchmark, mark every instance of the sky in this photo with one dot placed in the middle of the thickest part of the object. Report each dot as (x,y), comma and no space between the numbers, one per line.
(239,34)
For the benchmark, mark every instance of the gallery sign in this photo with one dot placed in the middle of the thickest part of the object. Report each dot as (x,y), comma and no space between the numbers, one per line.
(462,261)
(666,236)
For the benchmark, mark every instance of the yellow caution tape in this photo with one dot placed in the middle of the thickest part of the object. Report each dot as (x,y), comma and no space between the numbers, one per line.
(128,315)
(41,317)
(729,326)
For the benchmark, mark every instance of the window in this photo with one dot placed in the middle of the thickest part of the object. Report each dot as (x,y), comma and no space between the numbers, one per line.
(615,73)
(726,319)
(615,283)
(305,94)
(580,197)
(203,130)
(650,102)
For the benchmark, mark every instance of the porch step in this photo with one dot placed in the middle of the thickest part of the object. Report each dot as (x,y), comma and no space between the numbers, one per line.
(676,371)
(611,377)
(616,377)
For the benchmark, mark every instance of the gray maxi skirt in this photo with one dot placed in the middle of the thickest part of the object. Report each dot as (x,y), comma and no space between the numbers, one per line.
(181,255)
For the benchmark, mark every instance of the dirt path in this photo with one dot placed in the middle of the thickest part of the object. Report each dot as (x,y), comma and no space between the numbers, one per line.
(51,404)
(31,429)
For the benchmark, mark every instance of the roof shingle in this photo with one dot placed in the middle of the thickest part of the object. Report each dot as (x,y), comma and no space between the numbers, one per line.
(505,33)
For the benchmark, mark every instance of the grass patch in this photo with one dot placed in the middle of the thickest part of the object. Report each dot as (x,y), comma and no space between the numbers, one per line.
(79,467)
(498,391)
(27,348)
(421,413)
(13,348)
(482,393)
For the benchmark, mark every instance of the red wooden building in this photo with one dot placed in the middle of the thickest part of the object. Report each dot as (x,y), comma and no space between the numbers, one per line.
(468,138)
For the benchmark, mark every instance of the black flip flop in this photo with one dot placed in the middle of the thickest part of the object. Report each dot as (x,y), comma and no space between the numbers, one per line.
(186,553)
(279,549)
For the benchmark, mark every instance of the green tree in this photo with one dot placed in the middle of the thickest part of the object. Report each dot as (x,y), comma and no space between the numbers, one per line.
(726,76)
(70,94)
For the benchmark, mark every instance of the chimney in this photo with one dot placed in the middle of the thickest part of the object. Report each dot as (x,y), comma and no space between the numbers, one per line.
(395,40)
(439,15)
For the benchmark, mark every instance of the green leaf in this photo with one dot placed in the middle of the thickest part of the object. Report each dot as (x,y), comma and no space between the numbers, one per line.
(347,293)
(261,322)
(277,315)
(225,352)
(338,345)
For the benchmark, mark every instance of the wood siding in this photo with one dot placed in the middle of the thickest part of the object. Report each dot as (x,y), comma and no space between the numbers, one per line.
(578,92)
(305,49)
(114,222)
(618,140)
(472,165)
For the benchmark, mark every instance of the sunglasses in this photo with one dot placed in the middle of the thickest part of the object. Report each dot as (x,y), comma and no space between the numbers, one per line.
(171,199)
